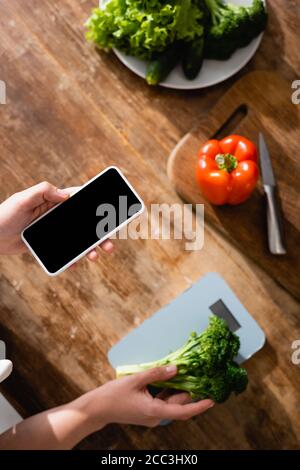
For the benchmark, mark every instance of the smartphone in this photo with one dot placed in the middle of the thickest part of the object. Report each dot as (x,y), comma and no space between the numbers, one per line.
(65,233)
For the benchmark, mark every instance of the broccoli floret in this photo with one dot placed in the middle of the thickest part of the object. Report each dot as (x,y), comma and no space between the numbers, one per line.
(205,366)
(237,376)
(258,17)
(212,348)
(218,386)
(231,27)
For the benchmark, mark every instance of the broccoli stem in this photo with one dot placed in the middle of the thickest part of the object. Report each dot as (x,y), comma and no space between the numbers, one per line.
(185,385)
(134,369)
(215,8)
(177,357)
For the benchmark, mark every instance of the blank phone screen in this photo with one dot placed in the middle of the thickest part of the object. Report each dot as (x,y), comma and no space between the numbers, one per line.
(83,220)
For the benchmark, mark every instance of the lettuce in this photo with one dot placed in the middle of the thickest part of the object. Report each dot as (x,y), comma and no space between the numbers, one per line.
(143,27)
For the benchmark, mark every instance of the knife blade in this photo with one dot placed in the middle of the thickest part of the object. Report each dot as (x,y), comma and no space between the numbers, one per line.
(274,215)
(265,163)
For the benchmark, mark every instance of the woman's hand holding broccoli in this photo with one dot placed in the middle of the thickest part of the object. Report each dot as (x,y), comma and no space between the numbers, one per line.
(125,400)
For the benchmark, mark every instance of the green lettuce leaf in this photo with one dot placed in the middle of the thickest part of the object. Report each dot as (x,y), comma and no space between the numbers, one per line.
(143,27)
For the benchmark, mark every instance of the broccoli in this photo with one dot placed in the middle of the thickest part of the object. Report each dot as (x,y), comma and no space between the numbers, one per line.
(205,366)
(217,386)
(231,27)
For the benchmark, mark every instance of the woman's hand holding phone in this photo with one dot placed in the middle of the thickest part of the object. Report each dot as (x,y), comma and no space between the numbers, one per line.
(22,208)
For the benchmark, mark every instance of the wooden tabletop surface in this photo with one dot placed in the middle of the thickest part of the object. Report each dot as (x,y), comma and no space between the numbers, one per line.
(71,112)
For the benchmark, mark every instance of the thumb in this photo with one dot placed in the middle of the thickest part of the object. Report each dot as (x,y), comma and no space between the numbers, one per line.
(41,193)
(157,374)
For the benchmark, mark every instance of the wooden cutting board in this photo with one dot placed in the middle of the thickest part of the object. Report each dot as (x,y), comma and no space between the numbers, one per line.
(260,101)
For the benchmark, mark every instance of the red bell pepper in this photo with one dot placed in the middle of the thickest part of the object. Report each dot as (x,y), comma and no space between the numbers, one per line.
(227,170)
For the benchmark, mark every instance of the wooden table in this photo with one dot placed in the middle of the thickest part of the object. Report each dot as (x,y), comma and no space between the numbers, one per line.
(70,112)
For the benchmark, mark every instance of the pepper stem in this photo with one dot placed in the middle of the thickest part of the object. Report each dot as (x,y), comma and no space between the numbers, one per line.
(226,161)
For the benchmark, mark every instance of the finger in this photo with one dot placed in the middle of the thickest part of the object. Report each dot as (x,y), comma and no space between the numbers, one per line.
(107,246)
(169,396)
(154,375)
(165,410)
(92,255)
(72,190)
(163,394)
(179,399)
(41,193)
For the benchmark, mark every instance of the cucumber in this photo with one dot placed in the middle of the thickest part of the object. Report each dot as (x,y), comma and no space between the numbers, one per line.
(163,63)
(193,58)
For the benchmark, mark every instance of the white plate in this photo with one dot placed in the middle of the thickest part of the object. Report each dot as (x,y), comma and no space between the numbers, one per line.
(212,72)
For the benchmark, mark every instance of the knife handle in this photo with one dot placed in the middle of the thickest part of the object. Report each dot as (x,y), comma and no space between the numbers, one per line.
(275,223)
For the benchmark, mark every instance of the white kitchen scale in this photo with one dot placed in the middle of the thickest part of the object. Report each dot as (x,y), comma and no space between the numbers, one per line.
(170,327)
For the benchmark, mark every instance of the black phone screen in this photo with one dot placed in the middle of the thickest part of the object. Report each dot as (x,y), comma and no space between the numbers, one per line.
(82,220)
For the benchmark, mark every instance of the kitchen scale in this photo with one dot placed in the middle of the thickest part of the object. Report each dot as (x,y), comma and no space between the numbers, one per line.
(170,327)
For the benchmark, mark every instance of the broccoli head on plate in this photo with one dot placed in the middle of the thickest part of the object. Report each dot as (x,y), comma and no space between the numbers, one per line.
(231,27)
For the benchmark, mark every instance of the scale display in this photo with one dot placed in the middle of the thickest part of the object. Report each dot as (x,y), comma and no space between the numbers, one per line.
(221,310)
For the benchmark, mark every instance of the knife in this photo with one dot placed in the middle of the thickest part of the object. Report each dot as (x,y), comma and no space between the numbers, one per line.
(274,216)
